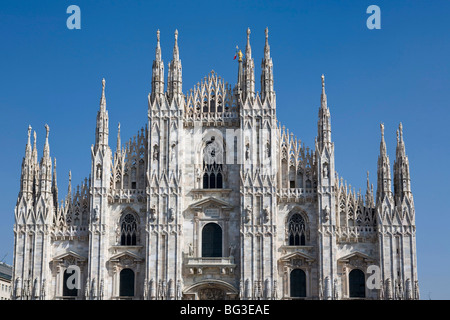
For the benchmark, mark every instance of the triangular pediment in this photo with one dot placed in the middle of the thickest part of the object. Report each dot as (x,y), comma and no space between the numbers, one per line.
(297,255)
(356,255)
(69,255)
(126,255)
(211,201)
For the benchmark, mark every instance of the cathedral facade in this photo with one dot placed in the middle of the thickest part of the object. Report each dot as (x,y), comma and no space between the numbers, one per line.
(214,199)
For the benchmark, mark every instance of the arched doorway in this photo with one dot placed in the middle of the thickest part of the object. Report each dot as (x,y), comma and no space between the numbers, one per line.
(126,283)
(298,283)
(212,289)
(212,240)
(357,285)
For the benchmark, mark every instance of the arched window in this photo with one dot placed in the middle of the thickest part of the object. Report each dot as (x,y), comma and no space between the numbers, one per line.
(126,283)
(212,240)
(212,165)
(128,230)
(66,291)
(357,284)
(297,230)
(298,283)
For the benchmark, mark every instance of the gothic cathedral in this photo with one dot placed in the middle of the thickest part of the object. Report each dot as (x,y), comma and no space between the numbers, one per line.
(214,199)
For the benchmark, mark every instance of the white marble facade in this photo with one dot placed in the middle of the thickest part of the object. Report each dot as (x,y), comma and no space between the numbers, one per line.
(213,199)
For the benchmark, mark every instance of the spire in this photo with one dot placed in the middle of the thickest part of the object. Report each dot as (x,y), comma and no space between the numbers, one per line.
(249,71)
(402,181)
(28,146)
(176,54)
(240,80)
(384,170)
(324,123)
(174,76)
(46,165)
(26,176)
(248,48)
(267,72)
(34,151)
(69,186)
(103,98)
(369,193)
(118,138)
(323,96)
(157,72)
(47,146)
(266,45)
(158,47)
(101,132)
(55,187)
(383,143)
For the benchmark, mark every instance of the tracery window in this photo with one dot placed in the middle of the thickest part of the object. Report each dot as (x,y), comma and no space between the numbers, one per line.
(128,230)
(212,165)
(297,230)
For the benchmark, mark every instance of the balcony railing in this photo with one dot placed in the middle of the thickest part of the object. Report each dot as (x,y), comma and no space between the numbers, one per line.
(295,192)
(209,261)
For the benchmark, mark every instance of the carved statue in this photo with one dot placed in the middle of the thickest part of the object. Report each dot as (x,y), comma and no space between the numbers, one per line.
(155,152)
(18,287)
(86,289)
(325,171)
(152,289)
(408,289)
(266,213)
(191,250)
(95,214)
(275,290)
(248,213)
(232,248)
(241,290)
(99,171)
(171,215)
(416,290)
(145,289)
(326,214)
(247,289)
(335,290)
(43,290)
(152,213)
(100,295)
(320,290)
(388,288)
(327,288)
(267,289)
(179,292)
(171,289)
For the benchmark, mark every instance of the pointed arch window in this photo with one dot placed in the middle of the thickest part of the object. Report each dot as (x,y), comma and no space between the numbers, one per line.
(212,165)
(128,230)
(297,230)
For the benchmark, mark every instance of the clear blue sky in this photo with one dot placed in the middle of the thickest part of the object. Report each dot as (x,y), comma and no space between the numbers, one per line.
(50,74)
